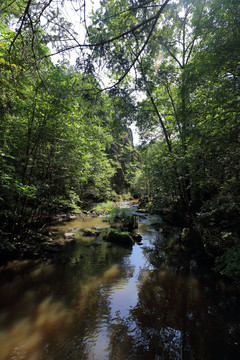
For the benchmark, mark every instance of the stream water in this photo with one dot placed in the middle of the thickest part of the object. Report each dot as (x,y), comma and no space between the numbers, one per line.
(111,302)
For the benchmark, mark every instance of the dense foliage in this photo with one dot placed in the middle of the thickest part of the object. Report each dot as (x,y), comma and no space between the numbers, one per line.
(174,69)
(188,75)
(57,130)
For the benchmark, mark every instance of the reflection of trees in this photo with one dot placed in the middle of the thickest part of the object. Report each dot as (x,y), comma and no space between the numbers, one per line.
(85,262)
(121,342)
(62,314)
(92,272)
(179,316)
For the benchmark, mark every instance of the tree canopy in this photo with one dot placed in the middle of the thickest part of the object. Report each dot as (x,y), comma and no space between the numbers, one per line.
(171,67)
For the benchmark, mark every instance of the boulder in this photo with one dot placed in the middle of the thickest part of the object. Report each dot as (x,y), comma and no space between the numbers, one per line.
(69,235)
(137,238)
(129,223)
(91,232)
(70,238)
(122,238)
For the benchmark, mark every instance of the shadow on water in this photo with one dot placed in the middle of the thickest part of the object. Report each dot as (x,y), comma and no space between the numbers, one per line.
(111,302)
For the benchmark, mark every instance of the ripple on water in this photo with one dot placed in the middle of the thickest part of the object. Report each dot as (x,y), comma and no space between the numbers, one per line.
(116,303)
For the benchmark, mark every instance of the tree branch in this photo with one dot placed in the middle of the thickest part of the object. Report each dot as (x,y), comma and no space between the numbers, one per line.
(171,53)
(190,48)
(156,17)
(43,9)
(122,35)
(7,6)
(21,25)
(156,110)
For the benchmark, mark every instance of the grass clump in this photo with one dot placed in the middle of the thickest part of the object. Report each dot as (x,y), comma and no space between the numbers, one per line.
(117,214)
(104,208)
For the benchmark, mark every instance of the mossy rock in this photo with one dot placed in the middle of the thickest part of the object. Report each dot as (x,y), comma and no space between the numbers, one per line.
(129,223)
(122,238)
(91,232)
(137,238)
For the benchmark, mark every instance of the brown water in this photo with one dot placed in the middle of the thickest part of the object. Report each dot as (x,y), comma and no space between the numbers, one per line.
(110,302)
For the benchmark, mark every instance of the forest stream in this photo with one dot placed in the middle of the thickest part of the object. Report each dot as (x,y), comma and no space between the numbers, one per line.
(113,302)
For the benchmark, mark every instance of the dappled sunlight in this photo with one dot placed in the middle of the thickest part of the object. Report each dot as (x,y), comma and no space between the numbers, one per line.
(85,239)
(143,278)
(90,287)
(108,302)
(42,272)
(112,273)
(102,102)
(25,338)
(22,276)
(81,222)
(120,284)
(88,291)
(22,339)
(50,315)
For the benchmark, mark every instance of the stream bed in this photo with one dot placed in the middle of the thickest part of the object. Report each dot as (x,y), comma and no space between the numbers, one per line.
(112,302)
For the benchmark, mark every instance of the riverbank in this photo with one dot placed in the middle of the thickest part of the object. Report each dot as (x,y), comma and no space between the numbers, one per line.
(48,241)
(37,245)
(99,301)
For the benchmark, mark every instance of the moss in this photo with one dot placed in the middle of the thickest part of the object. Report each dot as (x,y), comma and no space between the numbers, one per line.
(91,232)
(129,223)
(122,238)
(137,238)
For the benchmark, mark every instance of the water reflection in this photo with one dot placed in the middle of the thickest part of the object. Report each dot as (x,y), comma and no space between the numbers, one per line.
(110,302)
(23,338)
(179,317)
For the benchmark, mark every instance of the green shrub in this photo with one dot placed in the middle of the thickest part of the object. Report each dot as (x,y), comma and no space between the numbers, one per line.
(105,207)
(117,214)
(228,264)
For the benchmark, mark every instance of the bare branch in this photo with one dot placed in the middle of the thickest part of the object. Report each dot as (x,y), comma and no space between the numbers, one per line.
(120,36)
(171,53)
(43,9)
(21,25)
(156,109)
(156,17)
(190,48)
(68,32)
